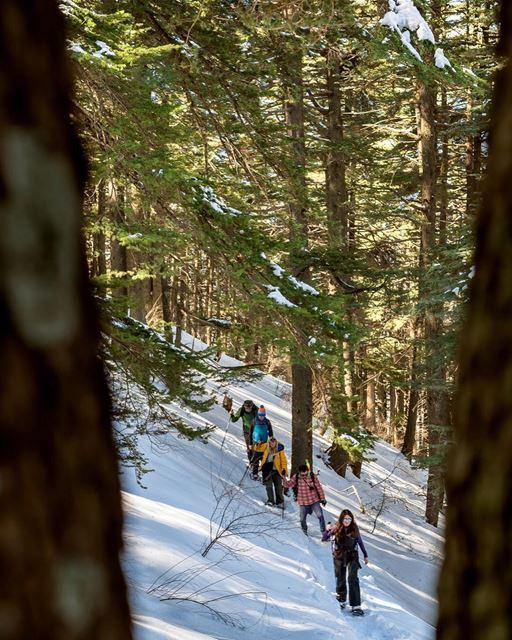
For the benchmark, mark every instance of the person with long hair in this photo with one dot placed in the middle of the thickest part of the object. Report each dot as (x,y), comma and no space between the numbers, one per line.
(345,538)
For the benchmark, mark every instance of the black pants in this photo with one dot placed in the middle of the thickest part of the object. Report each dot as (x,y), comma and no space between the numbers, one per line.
(342,572)
(255,461)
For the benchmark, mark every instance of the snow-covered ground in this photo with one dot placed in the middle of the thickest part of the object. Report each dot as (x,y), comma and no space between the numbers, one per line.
(263,576)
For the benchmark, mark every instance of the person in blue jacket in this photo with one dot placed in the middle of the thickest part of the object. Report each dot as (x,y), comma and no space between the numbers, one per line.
(345,539)
(261,431)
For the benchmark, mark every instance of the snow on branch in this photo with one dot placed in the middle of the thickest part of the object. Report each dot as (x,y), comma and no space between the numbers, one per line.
(277,296)
(404,18)
(441,60)
(216,203)
(279,272)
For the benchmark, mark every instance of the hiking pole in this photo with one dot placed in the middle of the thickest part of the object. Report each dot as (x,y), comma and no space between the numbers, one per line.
(225,432)
(249,466)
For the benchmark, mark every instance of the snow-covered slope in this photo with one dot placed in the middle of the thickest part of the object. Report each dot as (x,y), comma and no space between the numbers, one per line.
(264,577)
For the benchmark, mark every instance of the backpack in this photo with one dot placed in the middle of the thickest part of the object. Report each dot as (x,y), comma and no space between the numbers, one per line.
(260,431)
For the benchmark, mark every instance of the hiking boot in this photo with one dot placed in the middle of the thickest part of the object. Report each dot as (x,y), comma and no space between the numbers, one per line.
(255,476)
(269,503)
(357,611)
(280,505)
(343,603)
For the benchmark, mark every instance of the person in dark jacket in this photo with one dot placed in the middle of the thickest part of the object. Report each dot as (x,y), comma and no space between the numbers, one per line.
(261,431)
(248,413)
(345,539)
(274,467)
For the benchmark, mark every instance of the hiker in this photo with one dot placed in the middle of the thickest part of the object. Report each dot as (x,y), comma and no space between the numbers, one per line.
(261,430)
(248,413)
(309,494)
(274,467)
(345,538)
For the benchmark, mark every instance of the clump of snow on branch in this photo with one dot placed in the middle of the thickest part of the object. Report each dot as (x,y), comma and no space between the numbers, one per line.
(216,203)
(441,60)
(76,47)
(67,6)
(104,50)
(303,285)
(404,18)
(277,296)
(403,14)
(279,272)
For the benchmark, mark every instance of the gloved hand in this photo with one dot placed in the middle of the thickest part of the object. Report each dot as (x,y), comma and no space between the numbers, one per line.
(324,502)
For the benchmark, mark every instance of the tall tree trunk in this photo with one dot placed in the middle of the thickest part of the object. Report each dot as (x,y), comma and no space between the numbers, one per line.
(476,580)
(382,404)
(443,170)
(370,416)
(99,261)
(412,409)
(337,199)
(339,379)
(302,377)
(60,507)
(118,253)
(435,371)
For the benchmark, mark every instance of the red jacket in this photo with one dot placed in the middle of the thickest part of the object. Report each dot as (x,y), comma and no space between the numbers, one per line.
(309,489)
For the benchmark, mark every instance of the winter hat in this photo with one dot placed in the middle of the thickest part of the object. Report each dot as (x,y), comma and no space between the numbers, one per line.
(261,412)
(249,404)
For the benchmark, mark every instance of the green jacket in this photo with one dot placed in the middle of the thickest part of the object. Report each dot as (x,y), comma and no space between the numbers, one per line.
(247,418)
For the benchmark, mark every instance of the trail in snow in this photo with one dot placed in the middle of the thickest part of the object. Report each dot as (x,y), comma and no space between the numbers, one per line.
(277,583)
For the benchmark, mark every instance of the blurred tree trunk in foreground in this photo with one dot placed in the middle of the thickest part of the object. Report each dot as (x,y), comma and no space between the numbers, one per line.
(476,582)
(60,510)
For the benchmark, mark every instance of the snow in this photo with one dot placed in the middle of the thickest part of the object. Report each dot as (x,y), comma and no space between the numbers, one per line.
(405,36)
(303,285)
(404,18)
(441,60)
(404,15)
(220,321)
(276,295)
(270,580)
(279,272)
(67,6)
(104,49)
(77,48)
(217,203)
(276,269)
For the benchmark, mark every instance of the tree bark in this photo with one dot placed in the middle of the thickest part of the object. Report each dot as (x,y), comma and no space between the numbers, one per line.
(435,371)
(302,376)
(118,253)
(476,580)
(60,507)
